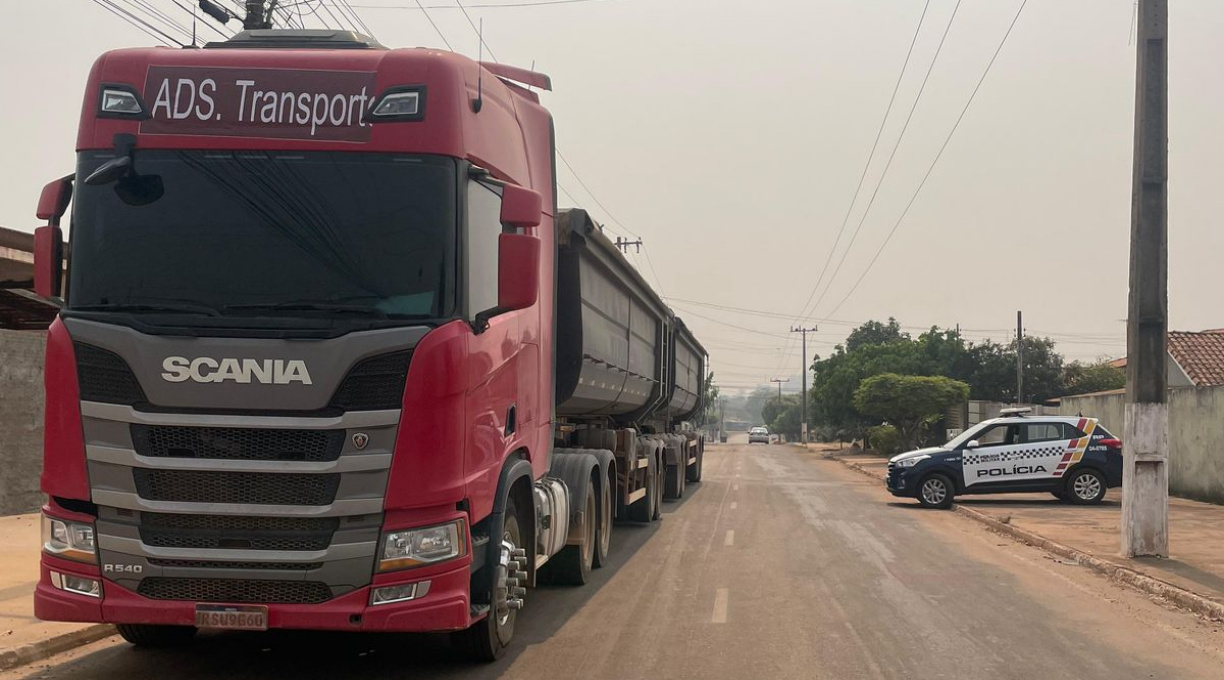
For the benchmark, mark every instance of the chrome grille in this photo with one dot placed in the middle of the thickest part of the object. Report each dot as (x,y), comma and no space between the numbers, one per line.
(216,564)
(234,590)
(260,488)
(237,443)
(237,532)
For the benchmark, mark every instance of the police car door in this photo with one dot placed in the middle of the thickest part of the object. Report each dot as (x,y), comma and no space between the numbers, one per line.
(1027,452)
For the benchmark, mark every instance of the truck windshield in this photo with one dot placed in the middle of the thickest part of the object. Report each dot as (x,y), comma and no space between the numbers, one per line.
(268,234)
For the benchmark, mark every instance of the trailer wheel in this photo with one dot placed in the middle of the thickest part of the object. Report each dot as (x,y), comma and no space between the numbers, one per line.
(693,472)
(660,476)
(644,509)
(603,530)
(675,482)
(487,639)
(146,635)
(572,566)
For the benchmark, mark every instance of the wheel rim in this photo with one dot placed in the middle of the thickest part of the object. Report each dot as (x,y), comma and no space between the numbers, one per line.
(588,546)
(1087,486)
(508,568)
(934,491)
(605,524)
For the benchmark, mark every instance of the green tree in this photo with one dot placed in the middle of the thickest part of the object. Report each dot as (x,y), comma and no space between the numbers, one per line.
(875,333)
(710,399)
(910,403)
(786,421)
(774,406)
(1082,378)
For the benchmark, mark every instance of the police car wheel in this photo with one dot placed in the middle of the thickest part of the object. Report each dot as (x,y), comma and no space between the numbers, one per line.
(1086,487)
(935,491)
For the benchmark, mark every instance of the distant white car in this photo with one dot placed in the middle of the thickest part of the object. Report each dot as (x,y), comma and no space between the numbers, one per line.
(758,434)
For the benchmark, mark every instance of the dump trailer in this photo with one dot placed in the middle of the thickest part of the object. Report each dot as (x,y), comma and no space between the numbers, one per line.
(330,357)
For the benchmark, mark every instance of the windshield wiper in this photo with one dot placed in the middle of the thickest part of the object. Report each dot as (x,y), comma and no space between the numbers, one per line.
(173,308)
(305,306)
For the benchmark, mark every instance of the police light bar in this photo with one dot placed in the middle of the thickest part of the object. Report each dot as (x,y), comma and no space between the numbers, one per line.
(119,101)
(1015,411)
(401,103)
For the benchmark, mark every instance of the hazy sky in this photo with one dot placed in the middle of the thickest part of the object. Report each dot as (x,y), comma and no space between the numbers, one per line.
(731,135)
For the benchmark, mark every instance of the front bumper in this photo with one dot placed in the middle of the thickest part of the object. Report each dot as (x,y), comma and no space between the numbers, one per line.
(446,607)
(899,482)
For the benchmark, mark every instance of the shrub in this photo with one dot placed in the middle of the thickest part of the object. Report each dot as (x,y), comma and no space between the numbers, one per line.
(884,439)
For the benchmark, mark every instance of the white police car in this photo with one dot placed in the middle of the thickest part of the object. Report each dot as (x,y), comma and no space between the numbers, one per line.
(1076,459)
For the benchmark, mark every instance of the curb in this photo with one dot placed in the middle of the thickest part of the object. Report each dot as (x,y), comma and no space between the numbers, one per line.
(37,651)
(1126,576)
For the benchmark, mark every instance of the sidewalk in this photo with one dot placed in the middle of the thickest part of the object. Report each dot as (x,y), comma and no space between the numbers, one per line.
(1196,531)
(23,638)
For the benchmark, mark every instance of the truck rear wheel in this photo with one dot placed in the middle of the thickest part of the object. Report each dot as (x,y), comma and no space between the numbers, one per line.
(603,529)
(487,639)
(675,482)
(693,472)
(572,566)
(644,509)
(146,635)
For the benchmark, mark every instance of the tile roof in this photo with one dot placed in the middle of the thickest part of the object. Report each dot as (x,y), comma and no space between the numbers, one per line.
(1201,355)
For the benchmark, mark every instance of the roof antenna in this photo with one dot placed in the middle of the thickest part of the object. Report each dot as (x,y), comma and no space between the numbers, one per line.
(478,102)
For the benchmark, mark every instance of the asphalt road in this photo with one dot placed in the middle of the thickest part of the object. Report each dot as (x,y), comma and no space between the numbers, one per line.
(779,565)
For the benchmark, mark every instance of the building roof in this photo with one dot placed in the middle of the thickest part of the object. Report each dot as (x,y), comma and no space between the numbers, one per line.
(1200,355)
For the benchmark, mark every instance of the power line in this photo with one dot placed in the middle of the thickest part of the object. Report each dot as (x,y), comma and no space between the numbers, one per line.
(435,26)
(479,33)
(365,28)
(870,157)
(888,165)
(935,162)
(862,176)
(136,21)
(535,3)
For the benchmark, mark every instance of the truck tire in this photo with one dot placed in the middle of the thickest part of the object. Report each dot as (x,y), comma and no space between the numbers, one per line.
(603,528)
(146,635)
(572,566)
(693,472)
(644,509)
(487,639)
(660,477)
(674,489)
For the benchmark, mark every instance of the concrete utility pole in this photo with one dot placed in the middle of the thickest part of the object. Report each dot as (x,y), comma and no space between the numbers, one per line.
(803,421)
(779,381)
(1019,357)
(1145,475)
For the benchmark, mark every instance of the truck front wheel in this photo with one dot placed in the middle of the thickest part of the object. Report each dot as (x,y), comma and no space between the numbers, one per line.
(145,635)
(488,638)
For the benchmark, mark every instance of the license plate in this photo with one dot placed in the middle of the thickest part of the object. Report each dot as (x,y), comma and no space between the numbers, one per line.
(231,617)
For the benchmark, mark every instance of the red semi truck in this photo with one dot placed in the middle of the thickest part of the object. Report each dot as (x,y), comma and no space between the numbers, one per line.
(329,356)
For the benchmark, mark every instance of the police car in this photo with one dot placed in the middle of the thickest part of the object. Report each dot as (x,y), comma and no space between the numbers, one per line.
(1074,458)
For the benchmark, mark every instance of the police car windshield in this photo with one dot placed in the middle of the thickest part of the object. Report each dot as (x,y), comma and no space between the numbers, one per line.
(967,435)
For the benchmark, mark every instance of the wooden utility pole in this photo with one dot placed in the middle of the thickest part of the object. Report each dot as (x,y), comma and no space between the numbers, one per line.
(803,421)
(1145,476)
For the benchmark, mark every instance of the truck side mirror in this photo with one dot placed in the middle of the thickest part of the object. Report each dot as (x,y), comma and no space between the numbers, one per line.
(49,240)
(520,207)
(518,271)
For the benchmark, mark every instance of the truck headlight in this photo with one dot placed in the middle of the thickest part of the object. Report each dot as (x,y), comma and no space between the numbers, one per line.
(415,547)
(911,462)
(70,540)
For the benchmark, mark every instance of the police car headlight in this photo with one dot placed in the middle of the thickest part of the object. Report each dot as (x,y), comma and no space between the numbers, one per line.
(911,462)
